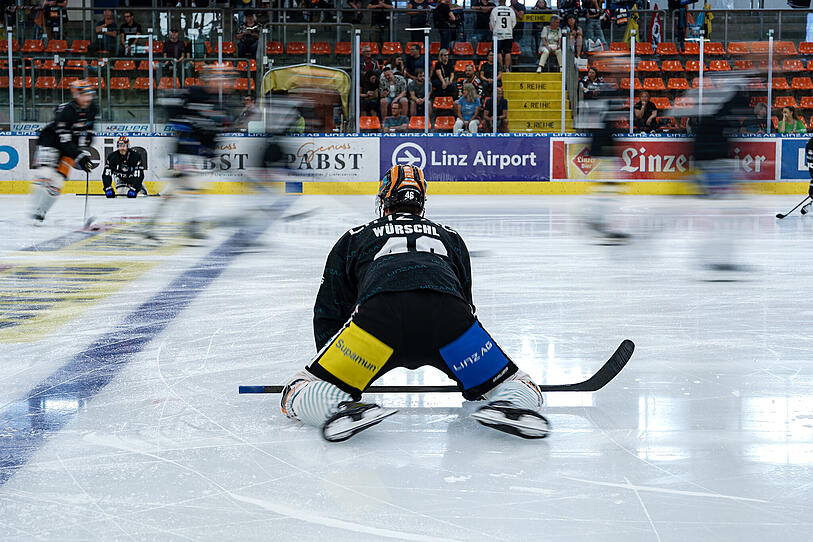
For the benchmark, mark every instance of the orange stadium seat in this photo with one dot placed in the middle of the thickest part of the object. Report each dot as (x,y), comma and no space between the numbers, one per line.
(65,83)
(275,48)
(317,48)
(229,48)
(46,65)
(644,48)
(389,48)
(807,102)
(677,83)
(56,46)
(166,83)
(142,83)
(737,48)
(672,66)
(647,66)
(80,47)
(95,82)
(719,66)
(369,124)
(483,48)
(743,64)
(691,48)
(409,45)
(757,85)
(784,48)
(462,48)
(620,47)
(443,102)
(666,48)
(692,65)
(75,65)
(624,83)
(515,50)
(18,81)
(33,46)
(793,65)
(372,45)
(682,102)
(120,83)
(660,102)
(444,124)
(15,46)
(47,82)
(653,83)
(759,47)
(758,100)
(144,65)
(714,48)
(296,48)
(191,82)
(3,81)
(784,101)
(417,124)
(242,84)
(780,83)
(775,122)
(434,48)
(460,65)
(801,83)
(157,47)
(707,83)
(806,48)
(342,48)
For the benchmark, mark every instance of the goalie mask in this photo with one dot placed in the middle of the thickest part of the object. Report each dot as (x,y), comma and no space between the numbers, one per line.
(402,186)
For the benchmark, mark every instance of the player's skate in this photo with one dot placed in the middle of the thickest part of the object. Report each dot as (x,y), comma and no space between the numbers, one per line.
(806,208)
(504,416)
(353,417)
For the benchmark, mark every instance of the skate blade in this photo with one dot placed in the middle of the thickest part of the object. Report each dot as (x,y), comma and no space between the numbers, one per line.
(345,427)
(525,426)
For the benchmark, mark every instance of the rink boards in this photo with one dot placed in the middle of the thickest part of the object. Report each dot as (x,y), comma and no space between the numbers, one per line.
(462,164)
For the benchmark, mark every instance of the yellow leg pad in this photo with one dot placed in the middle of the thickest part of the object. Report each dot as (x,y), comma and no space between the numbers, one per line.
(355,357)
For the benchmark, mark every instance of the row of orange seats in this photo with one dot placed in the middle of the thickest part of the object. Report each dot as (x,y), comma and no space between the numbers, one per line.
(735,48)
(685,102)
(675,66)
(416,124)
(681,83)
(117,83)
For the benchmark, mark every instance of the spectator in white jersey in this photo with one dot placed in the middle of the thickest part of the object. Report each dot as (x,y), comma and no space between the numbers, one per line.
(503,19)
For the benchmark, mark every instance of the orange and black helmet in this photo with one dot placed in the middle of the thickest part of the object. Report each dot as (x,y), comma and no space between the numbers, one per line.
(123,140)
(402,186)
(82,86)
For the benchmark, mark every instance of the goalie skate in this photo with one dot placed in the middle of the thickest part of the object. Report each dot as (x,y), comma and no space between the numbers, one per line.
(502,416)
(353,417)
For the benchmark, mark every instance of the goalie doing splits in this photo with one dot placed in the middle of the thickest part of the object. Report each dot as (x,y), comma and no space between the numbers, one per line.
(125,168)
(396,292)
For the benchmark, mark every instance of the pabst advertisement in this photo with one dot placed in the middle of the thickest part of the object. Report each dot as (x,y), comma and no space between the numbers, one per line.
(662,159)
(482,157)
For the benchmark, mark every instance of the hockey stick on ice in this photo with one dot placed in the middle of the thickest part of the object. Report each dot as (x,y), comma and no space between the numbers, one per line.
(781,216)
(607,372)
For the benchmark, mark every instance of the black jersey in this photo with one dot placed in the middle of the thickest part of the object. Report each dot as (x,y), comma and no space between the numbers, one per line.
(71,129)
(197,118)
(395,253)
(126,167)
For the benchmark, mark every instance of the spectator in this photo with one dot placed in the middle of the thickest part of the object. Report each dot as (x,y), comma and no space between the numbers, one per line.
(174,47)
(467,111)
(791,122)
(645,114)
(593,25)
(502,21)
(107,31)
(482,32)
(519,28)
(397,122)
(417,94)
(418,18)
(550,41)
(379,19)
(130,28)
(368,63)
(470,78)
(487,74)
(445,22)
(248,35)
(536,27)
(590,84)
(53,13)
(413,62)
(574,33)
(248,114)
(356,16)
(442,73)
(679,20)
(392,89)
(758,123)
(398,67)
(370,96)
(502,113)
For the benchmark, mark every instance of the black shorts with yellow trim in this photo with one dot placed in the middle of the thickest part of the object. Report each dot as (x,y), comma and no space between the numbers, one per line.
(408,330)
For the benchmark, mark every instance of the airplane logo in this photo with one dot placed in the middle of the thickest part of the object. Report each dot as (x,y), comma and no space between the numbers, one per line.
(409,154)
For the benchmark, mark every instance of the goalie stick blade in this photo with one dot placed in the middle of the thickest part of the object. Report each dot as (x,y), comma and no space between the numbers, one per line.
(604,375)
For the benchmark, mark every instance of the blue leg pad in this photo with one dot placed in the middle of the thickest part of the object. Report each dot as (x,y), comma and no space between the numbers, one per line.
(474,357)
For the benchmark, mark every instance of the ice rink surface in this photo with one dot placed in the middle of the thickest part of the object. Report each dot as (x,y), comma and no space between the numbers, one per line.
(121,361)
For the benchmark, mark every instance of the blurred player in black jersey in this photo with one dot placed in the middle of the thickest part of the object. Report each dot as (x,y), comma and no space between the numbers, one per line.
(198,116)
(60,147)
(125,168)
(396,292)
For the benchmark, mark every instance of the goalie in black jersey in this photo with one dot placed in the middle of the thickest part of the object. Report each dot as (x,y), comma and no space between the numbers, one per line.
(125,168)
(396,292)
(60,147)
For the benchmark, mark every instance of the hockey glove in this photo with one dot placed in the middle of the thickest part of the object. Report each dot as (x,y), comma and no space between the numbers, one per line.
(810,190)
(83,162)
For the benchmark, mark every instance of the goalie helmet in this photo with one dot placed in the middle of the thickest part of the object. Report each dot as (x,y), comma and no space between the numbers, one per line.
(402,186)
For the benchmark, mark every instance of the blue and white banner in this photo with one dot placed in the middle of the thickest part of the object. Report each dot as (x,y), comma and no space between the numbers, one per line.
(793,159)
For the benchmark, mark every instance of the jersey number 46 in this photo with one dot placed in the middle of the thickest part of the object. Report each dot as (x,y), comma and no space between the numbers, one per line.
(397,245)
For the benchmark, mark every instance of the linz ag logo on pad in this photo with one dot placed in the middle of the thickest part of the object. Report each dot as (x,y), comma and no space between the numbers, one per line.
(584,161)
